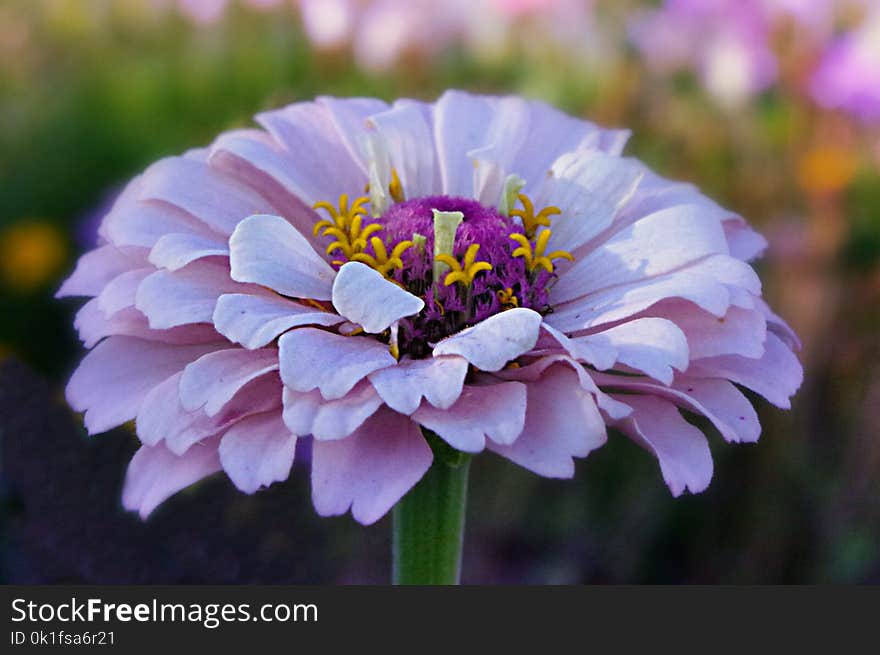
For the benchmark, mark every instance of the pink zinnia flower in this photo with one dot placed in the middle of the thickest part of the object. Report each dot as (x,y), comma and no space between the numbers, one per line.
(509,282)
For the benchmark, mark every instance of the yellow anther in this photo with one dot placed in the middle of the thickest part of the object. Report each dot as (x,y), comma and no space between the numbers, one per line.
(531,221)
(395,188)
(382,261)
(463,272)
(346,227)
(507,298)
(534,254)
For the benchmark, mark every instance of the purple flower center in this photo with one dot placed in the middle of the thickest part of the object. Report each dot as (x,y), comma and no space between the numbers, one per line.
(452,307)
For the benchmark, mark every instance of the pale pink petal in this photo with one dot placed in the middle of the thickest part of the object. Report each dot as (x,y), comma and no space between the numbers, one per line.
(778,326)
(120,292)
(550,134)
(495,411)
(370,470)
(438,380)
(655,245)
(348,116)
(600,354)
(725,405)
(161,416)
(739,332)
(335,419)
(776,375)
(113,379)
(407,138)
(505,134)
(300,409)
(655,346)
(171,298)
(320,161)
(562,422)
(155,474)
(681,449)
(211,381)
(176,250)
(708,284)
(362,295)
(744,242)
(536,370)
(716,399)
(257,160)
(589,187)
(256,320)
(257,451)
(310,413)
(93,325)
(215,198)
(134,222)
(315,359)
(497,340)
(460,123)
(96,268)
(269,251)
(260,395)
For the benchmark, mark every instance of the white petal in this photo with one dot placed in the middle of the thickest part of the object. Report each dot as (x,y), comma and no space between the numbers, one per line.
(438,379)
(334,364)
(501,338)
(176,250)
(269,251)
(590,188)
(408,140)
(654,346)
(256,320)
(654,245)
(362,295)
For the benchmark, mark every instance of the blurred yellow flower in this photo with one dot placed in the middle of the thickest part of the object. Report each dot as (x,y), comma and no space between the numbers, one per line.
(31,254)
(826,169)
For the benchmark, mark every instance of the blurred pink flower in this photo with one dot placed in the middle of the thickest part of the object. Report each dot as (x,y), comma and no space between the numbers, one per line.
(727,42)
(848,77)
(234,310)
(383,32)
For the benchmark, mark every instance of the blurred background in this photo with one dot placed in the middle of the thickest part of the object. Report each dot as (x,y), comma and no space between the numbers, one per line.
(772,107)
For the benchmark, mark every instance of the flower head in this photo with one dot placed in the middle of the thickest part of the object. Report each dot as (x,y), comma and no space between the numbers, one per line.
(507,281)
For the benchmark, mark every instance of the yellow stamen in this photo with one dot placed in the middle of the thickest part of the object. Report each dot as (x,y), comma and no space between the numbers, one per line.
(382,261)
(507,298)
(534,254)
(346,227)
(531,221)
(466,271)
(395,188)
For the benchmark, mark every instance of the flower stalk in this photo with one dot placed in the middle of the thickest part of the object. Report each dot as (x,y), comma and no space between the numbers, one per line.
(429,521)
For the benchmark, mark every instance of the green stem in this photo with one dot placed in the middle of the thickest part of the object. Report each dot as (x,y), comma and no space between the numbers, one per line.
(429,521)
